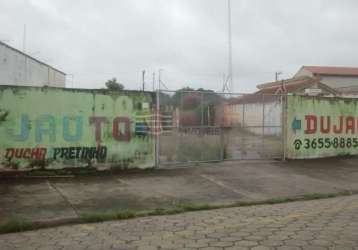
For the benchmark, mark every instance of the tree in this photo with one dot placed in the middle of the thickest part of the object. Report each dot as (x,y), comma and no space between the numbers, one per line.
(179,94)
(114,85)
(197,107)
(188,95)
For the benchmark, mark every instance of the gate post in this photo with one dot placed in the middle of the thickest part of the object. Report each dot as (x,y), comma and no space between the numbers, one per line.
(157,129)
(263,124)
(283,124)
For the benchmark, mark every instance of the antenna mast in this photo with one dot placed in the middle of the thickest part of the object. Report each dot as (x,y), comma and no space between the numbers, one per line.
(24,40)
(230,76)
(228,83)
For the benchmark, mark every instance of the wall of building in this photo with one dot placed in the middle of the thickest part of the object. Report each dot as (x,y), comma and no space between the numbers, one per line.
(255,116)
(338,82)
(17,68)
(341,83)
(321,127)
(59,128)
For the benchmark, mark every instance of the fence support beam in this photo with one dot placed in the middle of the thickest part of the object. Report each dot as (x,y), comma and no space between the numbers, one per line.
(157,130)
(284,125)
(263,124)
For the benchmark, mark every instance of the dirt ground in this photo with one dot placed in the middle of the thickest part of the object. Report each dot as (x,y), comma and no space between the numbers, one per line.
(44,199)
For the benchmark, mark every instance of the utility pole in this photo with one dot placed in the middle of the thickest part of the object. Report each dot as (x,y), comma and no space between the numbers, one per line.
(143,81)
(224,82)
(153,81)
(159,78)
(277,73)
(160,82)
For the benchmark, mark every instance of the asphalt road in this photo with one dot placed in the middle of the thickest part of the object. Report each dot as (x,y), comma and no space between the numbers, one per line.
(319,224)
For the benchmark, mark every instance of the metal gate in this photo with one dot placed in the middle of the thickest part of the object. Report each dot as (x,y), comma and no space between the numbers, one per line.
(204,126)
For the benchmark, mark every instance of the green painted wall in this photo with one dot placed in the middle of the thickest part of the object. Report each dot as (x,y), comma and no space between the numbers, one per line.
(57,128)
(321,127)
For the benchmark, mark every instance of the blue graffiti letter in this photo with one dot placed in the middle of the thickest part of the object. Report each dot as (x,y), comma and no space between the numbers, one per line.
(24,129)
(41,122)
(66,128)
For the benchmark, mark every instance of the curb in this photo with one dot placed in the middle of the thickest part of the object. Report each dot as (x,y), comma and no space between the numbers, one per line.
(35,225)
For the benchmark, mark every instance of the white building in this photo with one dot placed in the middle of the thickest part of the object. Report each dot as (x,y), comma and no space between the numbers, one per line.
(343,79)
(18,68)
(261,112)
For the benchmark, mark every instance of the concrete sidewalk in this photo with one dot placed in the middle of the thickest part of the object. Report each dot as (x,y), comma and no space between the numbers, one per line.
(309,225)
(46,199)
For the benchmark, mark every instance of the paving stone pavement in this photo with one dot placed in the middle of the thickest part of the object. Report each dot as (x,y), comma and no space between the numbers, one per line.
(319,224)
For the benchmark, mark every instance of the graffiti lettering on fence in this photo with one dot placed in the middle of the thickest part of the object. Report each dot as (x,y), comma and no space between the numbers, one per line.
(26,153)
(313,124)
(327,124)
(80,153)
(321,127)
(116,133)
(72,128)
(200,130)
(336,142)
(58,128)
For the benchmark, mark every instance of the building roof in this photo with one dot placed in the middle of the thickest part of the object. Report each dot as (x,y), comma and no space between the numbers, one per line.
(327,70)
(18,51)
(293,85)
(295,80)
(271,91)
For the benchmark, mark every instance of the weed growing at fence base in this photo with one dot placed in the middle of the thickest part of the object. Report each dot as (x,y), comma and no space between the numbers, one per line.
(18,225)
(105,216)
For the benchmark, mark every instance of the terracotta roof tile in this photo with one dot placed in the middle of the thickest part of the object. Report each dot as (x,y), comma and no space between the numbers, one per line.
(323,70)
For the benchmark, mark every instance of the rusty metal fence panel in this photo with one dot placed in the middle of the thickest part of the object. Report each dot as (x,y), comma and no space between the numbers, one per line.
(204,126)
(254,129)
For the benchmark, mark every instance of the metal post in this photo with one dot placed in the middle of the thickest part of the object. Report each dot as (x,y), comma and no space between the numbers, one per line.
(222,144)
(222,138)
(230,76)
(263,123)
(243,115)
(208,116)
(179,145)
(153,81)
(202,109)
(24,40)
(143,80)
(157,130)
(181,103)
(277,74)
(283,125)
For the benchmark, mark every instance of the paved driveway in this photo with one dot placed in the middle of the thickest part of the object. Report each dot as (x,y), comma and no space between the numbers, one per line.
(320,224)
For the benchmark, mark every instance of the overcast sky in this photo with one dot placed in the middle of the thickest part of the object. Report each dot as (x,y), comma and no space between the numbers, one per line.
(98,40)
